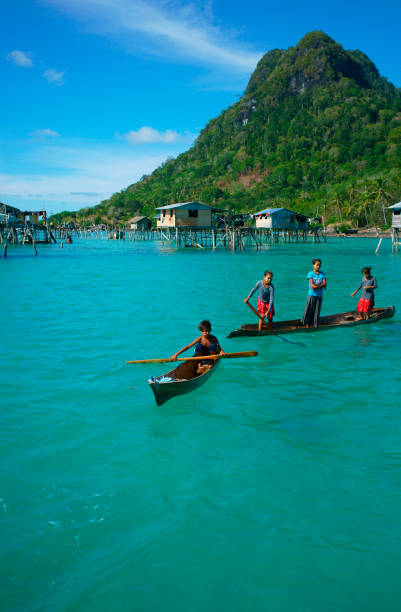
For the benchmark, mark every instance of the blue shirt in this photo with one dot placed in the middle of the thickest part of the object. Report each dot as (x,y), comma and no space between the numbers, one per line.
(317,279)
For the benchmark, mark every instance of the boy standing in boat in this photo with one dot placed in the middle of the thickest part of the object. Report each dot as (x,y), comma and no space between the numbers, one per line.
(317,282)
(205,344)
(367,300)
(265,299)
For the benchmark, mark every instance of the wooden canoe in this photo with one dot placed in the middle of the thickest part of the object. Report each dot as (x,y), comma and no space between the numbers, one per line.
(185,379)
(343,319)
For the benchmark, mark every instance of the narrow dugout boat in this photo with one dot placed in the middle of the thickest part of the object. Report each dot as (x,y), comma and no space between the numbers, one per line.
(343,319)
(184,378)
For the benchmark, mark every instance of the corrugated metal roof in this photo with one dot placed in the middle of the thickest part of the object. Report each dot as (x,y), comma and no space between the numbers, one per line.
(271,211)
(267,210)
(184,205)
(11,209)
(136,219)
(395,205)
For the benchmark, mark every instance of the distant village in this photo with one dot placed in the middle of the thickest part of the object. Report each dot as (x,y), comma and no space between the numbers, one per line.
(186,214)
(185,224)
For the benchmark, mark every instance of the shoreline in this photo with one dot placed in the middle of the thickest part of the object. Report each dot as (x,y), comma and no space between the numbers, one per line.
(361,234)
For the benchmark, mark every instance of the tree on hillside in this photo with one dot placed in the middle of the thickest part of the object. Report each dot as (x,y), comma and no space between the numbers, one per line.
(365,199)
(336,202)
(382,196)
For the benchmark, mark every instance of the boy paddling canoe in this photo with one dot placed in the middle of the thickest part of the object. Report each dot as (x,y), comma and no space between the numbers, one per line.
(205,344)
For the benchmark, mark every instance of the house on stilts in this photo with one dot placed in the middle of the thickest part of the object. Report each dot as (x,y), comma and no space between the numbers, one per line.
(395,226)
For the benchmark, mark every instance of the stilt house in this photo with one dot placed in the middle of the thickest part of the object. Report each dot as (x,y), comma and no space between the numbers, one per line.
(396,215)
(280,218)
(186,214)
(140,223)
(396,226)
(11,214)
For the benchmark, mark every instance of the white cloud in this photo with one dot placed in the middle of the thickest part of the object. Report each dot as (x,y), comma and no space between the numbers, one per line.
(76,175)
(53,76)
(46,133)
(174,29)
(20,58)
(148,134)
(89,194)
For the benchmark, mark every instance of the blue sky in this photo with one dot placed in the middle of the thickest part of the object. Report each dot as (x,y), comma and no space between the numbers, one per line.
(97,93)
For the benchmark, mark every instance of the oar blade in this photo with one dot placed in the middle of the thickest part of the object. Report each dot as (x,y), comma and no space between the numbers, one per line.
(240,354)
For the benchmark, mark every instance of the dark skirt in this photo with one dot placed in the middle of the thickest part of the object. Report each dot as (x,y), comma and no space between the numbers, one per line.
(201,350)
(312,311)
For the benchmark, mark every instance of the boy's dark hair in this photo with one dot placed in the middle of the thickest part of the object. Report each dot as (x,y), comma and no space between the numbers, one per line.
(266,272)
(205,325)
(315,260)
(366,269)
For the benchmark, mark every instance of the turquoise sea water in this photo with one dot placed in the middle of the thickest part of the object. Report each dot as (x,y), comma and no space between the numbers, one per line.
(275,486)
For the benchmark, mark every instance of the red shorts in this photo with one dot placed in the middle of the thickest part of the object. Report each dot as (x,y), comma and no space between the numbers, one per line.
(263,307)
(365,305)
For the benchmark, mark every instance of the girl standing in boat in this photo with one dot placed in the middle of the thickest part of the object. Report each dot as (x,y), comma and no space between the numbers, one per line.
(317,282)
(205,344)
(367,300)
(265,299)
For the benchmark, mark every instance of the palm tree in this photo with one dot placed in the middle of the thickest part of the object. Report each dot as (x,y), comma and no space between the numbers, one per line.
(348,208)
(337,203)
(382,196)
(366,198)
(351,198)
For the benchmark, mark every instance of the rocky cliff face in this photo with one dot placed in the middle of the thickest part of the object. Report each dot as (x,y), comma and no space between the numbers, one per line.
(316,61)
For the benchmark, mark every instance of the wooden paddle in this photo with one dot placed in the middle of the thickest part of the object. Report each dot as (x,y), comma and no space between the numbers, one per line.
(200,358)
(254,310)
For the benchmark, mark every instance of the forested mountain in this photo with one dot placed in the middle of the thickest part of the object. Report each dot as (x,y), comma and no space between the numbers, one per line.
(317,130)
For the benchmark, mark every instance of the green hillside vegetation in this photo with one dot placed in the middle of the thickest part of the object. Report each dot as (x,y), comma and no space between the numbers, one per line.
(318,130)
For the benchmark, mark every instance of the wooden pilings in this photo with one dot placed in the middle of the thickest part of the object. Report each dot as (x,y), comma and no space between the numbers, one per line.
(395,239)
(226,237)
(20,232)
(233,238)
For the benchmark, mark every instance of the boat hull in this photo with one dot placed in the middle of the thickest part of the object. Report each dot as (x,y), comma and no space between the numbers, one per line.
(185,381)
(344,319)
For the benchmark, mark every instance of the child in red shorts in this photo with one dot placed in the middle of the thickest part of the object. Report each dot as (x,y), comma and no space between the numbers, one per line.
(265,299)
(367,299)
